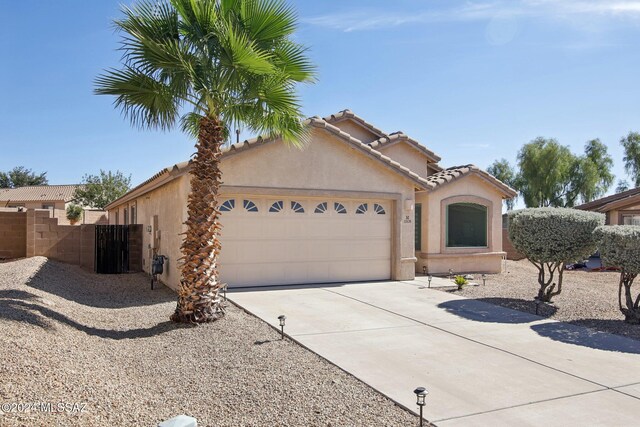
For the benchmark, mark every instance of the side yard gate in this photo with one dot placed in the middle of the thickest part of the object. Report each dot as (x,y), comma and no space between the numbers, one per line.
(112,249)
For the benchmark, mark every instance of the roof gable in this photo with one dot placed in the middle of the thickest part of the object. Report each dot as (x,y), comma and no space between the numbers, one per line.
(442,178)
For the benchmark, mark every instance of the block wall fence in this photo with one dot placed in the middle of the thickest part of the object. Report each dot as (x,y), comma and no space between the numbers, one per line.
(35,233)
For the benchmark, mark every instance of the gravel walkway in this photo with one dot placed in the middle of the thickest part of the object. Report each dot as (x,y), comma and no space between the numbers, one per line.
(105,344)
(587,299)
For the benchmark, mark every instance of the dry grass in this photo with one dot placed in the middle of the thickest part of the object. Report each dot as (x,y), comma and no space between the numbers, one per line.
(588,298)
(105,341)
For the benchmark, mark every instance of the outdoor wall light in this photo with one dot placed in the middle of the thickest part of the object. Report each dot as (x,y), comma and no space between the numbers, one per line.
(424,270)
(282,318)
(484,279)
(429,279)
(421,394)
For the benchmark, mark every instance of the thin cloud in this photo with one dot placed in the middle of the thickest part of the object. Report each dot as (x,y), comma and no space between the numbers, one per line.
(479,11)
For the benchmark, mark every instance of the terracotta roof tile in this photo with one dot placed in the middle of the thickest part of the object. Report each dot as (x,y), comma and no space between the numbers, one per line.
(38,193)
(451,174)
(401,136)
(348,114)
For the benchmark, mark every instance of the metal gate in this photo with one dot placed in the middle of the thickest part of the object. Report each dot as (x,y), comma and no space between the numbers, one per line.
(112,249)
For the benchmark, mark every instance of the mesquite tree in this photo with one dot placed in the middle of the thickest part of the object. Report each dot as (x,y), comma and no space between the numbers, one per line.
(211,65)
(552,237)
(620,247)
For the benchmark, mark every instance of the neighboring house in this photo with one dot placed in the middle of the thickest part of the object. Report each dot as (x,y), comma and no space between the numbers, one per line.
(56,198)
(622,208)
(355,204)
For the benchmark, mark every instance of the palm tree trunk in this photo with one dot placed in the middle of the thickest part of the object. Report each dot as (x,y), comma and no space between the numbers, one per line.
(198,296)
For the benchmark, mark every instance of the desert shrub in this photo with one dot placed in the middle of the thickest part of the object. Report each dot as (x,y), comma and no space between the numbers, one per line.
(460,281)
(620,247)
(74,212)
(552,237)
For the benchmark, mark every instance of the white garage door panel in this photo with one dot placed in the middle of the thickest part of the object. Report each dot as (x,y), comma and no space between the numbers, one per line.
(285,247)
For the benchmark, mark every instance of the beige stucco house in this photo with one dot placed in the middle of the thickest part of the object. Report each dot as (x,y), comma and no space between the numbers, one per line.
(354,204)
(56,198)
(622,208)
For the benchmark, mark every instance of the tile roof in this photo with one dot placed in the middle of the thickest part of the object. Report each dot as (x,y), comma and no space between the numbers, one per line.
(433,182)
(348,114)
(384,137)
(454,173)
(401,136)
(609,202)
(38,193)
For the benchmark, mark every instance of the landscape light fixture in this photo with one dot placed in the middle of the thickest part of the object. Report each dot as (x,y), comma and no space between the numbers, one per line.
(429,277)
(450,273)
(282,318)
(484,279)
(537,301)
(421,394)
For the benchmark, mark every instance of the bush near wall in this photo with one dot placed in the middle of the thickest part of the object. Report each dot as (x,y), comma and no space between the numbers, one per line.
(552,237)
(620,247)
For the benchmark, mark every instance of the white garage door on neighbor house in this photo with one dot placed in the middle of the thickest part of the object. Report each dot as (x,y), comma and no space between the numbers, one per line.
(276,240)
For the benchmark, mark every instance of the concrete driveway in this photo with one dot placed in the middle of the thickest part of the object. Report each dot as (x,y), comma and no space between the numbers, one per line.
(482,364)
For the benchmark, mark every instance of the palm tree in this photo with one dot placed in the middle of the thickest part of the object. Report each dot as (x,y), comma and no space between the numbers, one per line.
(209,65)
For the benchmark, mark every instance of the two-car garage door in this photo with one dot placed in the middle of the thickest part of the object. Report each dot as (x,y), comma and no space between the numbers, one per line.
(289,240)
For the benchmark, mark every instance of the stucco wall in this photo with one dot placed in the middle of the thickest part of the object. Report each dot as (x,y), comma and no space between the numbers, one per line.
(324,166)
(169,203)
(407,156)
(434,254)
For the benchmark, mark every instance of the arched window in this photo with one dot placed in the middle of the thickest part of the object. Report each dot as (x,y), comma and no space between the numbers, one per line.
(249,206)
(276,206)
(297,207)
(466,225)
(321,208)
(339,208)
(362,208)
(227,205)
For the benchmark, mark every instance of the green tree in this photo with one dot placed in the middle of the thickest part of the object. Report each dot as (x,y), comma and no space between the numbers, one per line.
(552,237)
(211,65)
(502,170)
(623,185)
(631,145)
(620,247)
(597,153)
(21,176)
(550,175)
(97,191)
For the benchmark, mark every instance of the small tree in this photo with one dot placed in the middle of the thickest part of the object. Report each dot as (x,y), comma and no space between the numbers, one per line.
(620,247)
(552,237)
(98,191)
(21,176)
(74,212)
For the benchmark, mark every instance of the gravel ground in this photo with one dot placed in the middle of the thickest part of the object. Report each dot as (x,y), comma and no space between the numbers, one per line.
(104,343)
(587,299)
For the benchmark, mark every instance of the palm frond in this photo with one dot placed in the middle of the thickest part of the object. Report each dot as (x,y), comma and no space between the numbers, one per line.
(267,20)
(291,58)
(146,102)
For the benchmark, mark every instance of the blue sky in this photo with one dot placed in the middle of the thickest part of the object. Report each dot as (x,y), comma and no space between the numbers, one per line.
(473,80)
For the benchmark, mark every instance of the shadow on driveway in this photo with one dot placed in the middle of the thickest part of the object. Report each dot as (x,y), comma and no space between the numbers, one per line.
(490,310)
(571,333)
